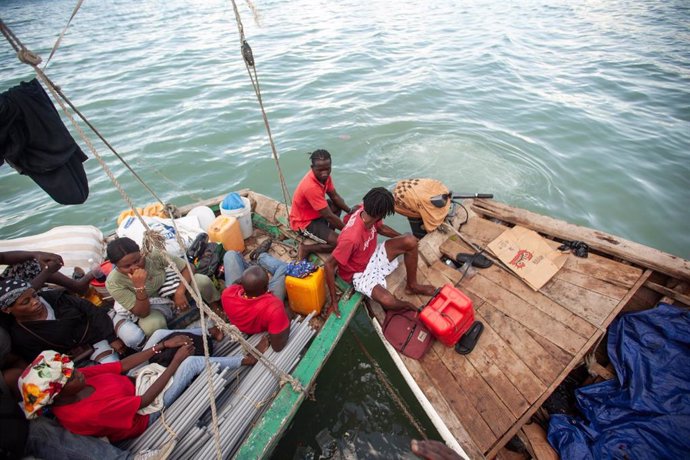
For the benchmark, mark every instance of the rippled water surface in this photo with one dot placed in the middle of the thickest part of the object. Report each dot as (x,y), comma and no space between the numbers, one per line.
(578,110)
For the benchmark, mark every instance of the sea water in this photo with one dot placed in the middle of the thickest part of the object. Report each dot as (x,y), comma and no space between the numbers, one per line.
(577,110)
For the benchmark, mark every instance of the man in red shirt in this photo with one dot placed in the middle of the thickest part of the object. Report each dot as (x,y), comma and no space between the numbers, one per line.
(365,264)
(311,214)
(251,307)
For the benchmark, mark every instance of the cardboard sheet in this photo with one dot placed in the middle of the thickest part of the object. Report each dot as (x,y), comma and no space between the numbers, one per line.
(528,255)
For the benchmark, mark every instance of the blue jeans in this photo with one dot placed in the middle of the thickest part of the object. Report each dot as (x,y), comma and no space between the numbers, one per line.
(47,439)
(235,265)
(190,367)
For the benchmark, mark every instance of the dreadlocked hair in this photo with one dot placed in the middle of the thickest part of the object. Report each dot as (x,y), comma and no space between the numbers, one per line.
(319,154)
(379,203)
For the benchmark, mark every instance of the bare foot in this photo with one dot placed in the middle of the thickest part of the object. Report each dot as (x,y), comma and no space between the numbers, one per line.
(422,289)
(333,309)
(249,360)
(216,333)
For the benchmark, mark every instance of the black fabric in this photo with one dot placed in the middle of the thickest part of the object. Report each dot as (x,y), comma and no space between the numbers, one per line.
(35,142)
(14,427)
(210,259)
(72,315)
(164,358)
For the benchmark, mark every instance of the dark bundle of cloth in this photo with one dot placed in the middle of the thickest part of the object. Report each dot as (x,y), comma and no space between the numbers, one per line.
(35,142)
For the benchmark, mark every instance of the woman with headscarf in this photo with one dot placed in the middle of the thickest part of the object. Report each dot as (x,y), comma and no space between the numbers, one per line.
(101,400)
(56,319)
(144,288)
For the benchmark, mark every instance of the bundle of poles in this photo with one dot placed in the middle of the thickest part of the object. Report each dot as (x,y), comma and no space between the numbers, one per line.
(241,397)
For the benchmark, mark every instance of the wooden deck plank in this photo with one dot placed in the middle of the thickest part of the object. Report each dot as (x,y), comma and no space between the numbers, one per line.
(604,269)
(526,314)
(499,349)
(502,385)
(587,304)
(610,244)
(490,407)
(482,232)
(513,284)
(590,283)
(526,416)
(456,397)
(540,363)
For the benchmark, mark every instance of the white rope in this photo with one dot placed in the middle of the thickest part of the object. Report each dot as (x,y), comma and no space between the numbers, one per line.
(62,34)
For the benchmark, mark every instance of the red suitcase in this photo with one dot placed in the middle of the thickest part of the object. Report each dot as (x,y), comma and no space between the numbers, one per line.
(448,315)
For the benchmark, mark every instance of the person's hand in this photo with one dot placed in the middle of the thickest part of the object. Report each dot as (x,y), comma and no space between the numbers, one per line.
(182,353)
(52,266)
(119,346)
(46,258)
(138,278)
(177,341)
(334,309)
(180,300)
(433,450)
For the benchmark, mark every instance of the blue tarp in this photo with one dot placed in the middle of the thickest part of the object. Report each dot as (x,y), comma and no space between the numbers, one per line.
(645,412)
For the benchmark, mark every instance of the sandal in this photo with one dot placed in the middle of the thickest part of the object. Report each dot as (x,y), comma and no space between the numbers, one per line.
(260,249)
(476,259)
(470,338)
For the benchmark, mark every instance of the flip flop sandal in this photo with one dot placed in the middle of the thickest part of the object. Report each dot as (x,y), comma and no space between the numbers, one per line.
(469,339)
(476,260)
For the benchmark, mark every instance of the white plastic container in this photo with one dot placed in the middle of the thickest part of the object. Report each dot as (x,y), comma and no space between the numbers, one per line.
(244,216)
(205,216)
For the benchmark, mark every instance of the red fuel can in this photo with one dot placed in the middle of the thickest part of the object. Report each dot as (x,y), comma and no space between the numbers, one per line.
(448,315)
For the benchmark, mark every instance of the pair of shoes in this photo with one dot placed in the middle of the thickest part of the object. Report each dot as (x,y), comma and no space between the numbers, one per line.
(476,260)
(260,249)
(469,339)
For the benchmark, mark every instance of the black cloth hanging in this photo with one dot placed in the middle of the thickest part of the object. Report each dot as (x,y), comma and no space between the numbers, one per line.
(35,142)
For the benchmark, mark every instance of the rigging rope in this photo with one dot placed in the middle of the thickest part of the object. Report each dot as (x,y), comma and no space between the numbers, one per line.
(62,34)
(248,58)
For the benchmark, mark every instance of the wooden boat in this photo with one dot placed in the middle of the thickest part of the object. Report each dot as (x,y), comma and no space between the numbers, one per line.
(532,339)
(269,219)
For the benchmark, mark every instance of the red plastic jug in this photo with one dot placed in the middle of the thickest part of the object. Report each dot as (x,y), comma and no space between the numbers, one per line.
(448,315)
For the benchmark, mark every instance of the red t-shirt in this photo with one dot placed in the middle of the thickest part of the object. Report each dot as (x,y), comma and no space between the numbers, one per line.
(111,410)
(258,314)
(356,244)
(309,199)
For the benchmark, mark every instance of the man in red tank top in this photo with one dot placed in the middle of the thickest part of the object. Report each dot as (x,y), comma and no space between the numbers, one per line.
(365,264)
(311,214)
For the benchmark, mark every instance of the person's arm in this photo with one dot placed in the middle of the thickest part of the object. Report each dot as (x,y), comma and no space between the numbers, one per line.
(339,202)
(132,361)
(387,231)
(279,340)
(332,219)
(330,265)
(159,385)
(17,257)
(180,296)
(142,306)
